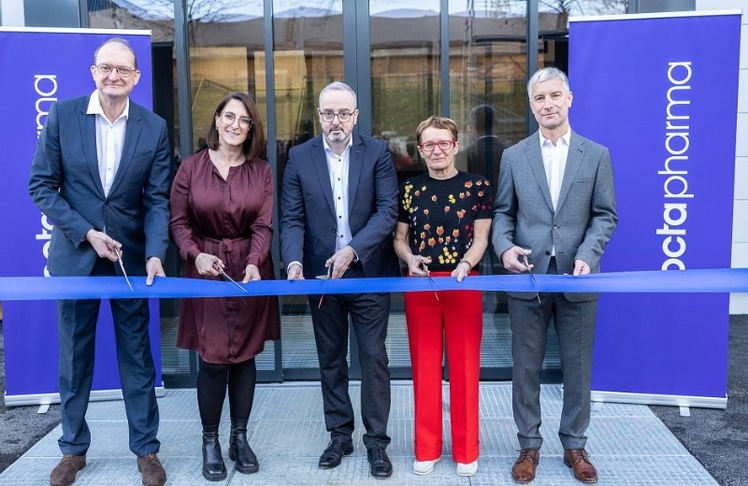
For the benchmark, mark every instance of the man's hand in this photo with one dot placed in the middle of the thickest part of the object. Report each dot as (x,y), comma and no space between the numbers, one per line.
(103,244)
(153,267)
(515,259)
(580,268)
(295,272)
(340,261)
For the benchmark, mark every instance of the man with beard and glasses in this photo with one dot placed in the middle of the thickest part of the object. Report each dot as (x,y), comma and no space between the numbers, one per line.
(338,213)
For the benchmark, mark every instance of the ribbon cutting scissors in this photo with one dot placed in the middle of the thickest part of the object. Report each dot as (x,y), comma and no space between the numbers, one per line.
(324,277)
(422,266)
(534,281)
(118,252)
(226,276)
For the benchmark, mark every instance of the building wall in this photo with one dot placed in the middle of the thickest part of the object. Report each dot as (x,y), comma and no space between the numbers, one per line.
(738,302)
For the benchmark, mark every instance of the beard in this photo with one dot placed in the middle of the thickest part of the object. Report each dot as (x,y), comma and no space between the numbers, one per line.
(337,135)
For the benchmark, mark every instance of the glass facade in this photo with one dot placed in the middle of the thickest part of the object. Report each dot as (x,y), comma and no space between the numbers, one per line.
(407,60)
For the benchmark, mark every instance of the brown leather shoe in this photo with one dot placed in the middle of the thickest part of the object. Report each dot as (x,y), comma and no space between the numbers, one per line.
(152,470)
(580,462)
(523,470)
(64,473)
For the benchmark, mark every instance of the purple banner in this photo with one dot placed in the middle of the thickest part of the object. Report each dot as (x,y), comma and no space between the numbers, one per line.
(661,93)
(38,67)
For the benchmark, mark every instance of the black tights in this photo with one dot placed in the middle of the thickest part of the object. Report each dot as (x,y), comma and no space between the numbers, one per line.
(211,390)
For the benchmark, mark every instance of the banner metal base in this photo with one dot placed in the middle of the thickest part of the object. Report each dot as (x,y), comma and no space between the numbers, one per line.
(52,398)
(656,399)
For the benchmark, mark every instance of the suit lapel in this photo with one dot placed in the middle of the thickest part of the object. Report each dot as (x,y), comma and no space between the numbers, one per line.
(354,170)
(319,163)
(573,161)
(132,134)
(87,124)
(535,162)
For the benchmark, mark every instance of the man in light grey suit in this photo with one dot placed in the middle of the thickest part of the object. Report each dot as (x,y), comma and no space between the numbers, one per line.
(101,174)
(554,213)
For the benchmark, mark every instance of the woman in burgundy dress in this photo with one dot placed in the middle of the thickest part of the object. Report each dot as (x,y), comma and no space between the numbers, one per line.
(221,221)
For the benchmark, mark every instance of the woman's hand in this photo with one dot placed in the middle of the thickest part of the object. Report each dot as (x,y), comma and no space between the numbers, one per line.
(418,265)
(208,265)
(251,273)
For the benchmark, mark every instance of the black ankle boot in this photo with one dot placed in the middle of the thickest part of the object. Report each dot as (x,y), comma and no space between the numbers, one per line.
(239,450)
(213,467)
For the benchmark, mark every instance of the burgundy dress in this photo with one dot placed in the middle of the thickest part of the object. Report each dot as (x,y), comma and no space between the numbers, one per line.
(231,219)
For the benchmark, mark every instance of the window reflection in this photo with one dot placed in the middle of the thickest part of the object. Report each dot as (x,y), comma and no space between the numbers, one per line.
(406,75)
(307,55)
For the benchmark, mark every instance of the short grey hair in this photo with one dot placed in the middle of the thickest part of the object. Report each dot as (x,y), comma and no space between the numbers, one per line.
(546,74)
(339,86)
(121,41)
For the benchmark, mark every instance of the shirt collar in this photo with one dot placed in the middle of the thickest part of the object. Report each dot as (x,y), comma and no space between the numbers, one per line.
(94,106)
(329,150)
(564,138)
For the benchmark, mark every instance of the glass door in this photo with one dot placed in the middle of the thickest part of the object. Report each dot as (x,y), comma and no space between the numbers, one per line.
(308,52)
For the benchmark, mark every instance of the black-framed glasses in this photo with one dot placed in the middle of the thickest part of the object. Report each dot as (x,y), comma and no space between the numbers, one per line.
(444,145)
(228,118)
(123,72)
(343,116)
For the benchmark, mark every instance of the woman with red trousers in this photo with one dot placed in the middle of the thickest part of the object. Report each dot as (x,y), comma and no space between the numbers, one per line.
(442,231)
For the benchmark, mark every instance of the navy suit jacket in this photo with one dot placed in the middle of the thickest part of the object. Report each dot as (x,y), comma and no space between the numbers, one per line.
(66,186)
(308,226)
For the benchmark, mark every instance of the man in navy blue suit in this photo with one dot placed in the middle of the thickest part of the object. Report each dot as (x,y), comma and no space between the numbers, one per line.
(338,213)
(101,174)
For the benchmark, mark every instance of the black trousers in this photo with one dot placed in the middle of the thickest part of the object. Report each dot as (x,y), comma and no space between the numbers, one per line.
(369,316)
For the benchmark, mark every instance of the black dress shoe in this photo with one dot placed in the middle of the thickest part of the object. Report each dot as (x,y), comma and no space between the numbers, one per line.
(334,453)
(379,464)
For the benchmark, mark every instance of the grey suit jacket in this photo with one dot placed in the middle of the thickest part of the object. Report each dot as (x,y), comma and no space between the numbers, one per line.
(65,185)
(308,227)
(585,217)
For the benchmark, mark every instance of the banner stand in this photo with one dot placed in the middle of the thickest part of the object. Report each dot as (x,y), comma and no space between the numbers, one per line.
(661,92)
(39,66)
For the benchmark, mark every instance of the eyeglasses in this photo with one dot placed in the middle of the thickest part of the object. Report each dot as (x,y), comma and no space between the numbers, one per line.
(124,72)
(329,116)
(429,147)
(228,118)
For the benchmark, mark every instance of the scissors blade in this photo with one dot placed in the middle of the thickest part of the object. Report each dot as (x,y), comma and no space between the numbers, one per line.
(226,276)
(532,275)
(422,265)
(122,267)
(433,285)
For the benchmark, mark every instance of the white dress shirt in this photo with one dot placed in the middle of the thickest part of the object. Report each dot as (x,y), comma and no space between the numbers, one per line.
(110,137)
(338,166)
(554,162)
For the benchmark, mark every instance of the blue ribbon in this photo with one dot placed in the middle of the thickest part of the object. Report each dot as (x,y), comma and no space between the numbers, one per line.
(674,281)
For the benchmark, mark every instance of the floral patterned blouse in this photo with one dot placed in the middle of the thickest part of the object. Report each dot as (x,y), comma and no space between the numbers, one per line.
(441,213)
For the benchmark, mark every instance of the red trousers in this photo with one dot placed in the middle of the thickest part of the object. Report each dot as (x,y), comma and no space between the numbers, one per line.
(457,318)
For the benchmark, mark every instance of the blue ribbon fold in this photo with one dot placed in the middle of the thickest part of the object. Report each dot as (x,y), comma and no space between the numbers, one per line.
(674,281)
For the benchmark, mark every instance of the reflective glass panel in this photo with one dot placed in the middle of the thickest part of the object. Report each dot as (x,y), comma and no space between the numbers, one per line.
(308,54)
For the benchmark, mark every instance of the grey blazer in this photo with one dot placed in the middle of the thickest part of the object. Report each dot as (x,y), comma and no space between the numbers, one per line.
(65,185)
(585,217)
